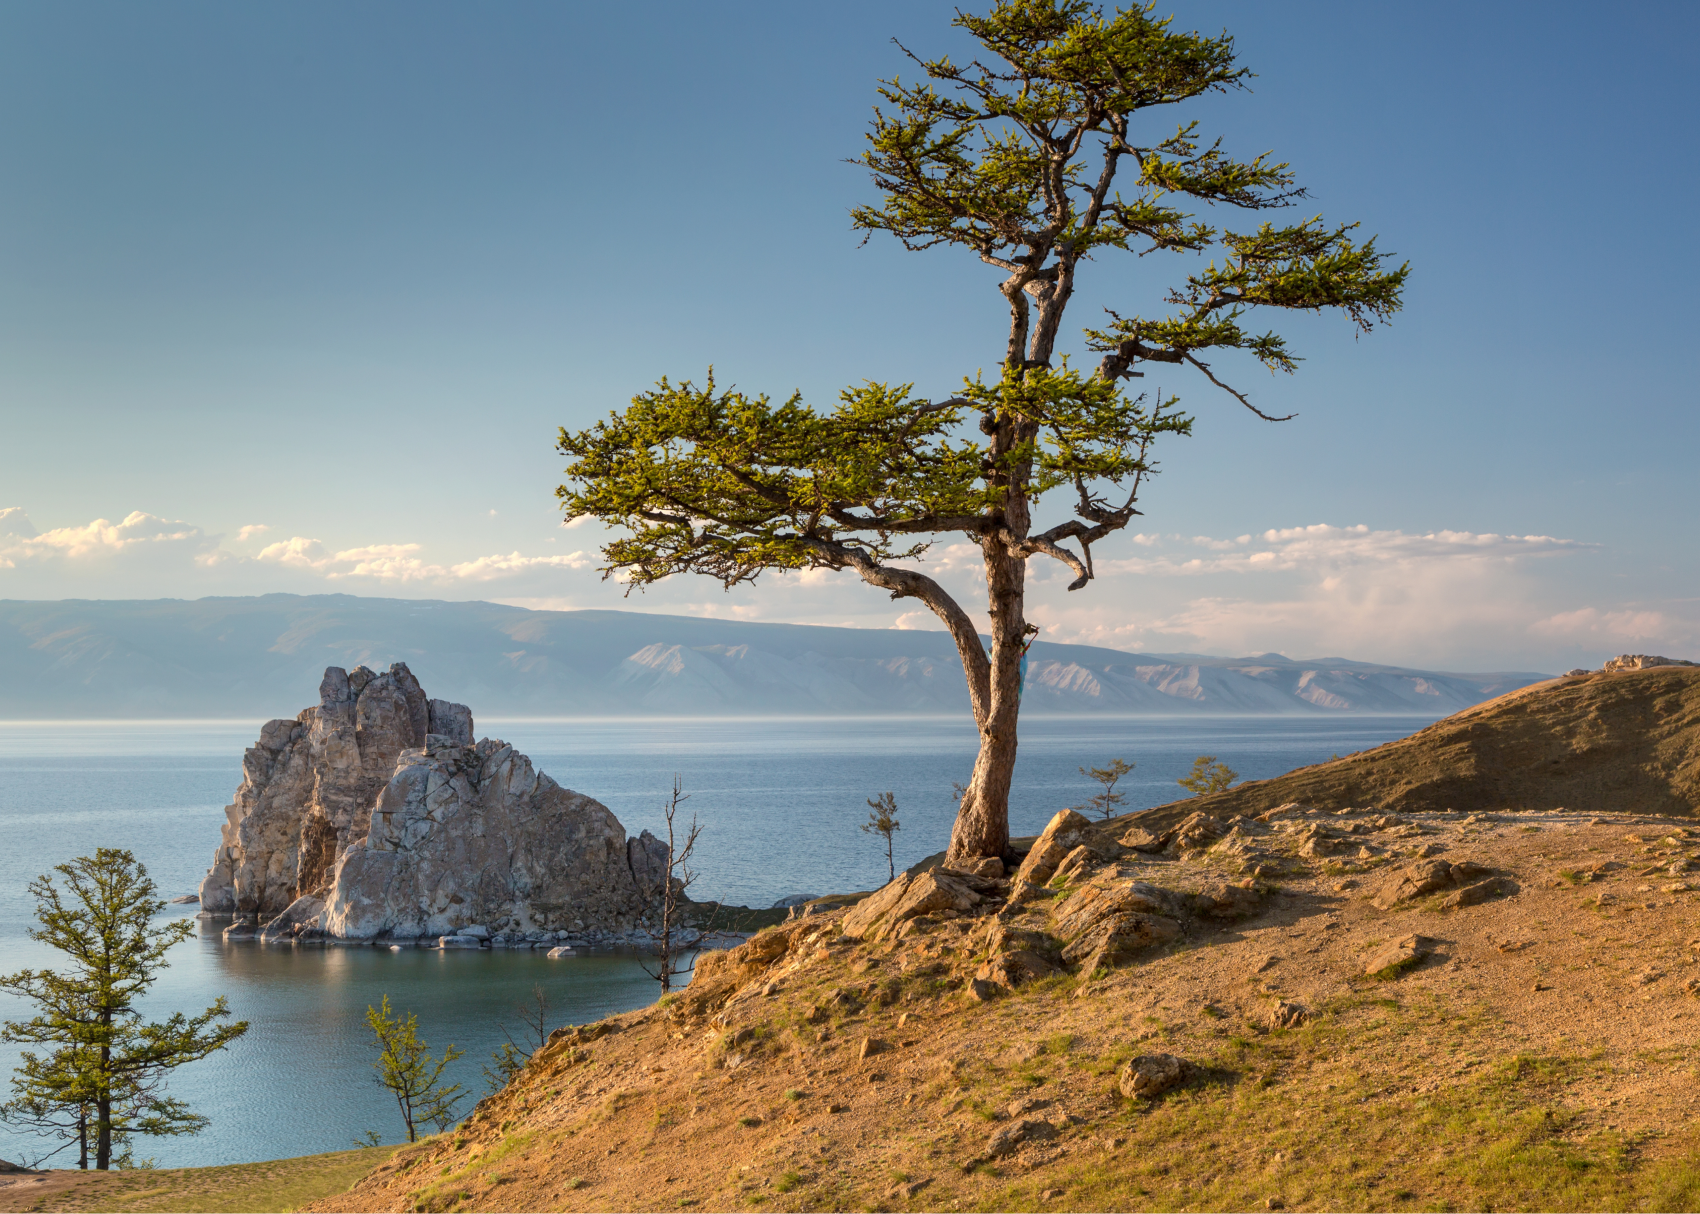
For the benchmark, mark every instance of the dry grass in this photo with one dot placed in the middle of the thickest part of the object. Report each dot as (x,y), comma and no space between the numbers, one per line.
(282,1184)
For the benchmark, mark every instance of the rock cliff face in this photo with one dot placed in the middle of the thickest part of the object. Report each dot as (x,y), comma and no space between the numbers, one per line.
(375,814)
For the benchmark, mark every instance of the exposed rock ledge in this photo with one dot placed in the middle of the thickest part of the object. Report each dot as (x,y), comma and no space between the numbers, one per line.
(375,815)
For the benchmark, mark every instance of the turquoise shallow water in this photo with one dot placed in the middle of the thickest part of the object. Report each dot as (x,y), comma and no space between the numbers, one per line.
(780,801)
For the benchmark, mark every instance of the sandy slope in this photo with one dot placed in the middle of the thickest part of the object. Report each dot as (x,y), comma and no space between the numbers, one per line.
(1541,1057)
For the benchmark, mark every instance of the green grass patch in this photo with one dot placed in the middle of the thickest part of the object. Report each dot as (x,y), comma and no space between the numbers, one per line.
(281,1184)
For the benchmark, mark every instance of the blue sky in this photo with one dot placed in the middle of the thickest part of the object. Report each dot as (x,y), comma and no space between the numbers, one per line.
(293,297)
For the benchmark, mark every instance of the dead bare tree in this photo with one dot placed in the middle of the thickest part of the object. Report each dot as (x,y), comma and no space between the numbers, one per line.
(509,1058)
(668,893)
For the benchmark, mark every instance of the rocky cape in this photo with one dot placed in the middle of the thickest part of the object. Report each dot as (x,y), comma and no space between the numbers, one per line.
(374,815)
(1622,739)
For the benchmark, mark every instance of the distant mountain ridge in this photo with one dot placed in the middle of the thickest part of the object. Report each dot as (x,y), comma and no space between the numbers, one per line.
(236,657)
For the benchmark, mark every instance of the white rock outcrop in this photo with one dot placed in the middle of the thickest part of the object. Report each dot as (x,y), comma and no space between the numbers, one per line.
(1641,661)
(374,814)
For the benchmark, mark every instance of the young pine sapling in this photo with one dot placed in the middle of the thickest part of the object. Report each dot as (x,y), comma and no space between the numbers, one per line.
(883,822)
(406,1068)
(1106,802)
(1207,776)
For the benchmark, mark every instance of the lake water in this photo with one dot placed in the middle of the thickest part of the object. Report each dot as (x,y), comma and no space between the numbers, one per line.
(780,801)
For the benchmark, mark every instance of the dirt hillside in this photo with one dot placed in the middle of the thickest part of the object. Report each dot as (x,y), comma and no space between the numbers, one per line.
(1624,742)
(1320,1007)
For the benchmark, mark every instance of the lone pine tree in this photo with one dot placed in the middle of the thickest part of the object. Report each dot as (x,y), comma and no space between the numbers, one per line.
(104,1081)
(1015,157)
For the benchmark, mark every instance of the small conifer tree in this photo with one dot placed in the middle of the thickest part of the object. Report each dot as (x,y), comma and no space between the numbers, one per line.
(406,1068)
(104,1081)
(1207,776)
(1106,802)
(883,822)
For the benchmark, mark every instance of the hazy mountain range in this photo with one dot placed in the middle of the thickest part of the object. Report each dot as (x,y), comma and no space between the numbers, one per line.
(263,657)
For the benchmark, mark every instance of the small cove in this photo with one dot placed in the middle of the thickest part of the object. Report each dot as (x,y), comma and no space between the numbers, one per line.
(780,800)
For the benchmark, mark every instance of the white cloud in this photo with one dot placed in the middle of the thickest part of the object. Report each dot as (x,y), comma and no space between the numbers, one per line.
(1443,598)
(488,568)
(1292,548)
(14,522)
(139,536)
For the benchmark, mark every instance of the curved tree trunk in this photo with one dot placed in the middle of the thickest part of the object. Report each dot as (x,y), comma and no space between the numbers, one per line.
(982,821)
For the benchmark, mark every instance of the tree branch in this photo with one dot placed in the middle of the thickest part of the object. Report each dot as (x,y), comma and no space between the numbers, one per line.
(906,583)
(1239,396)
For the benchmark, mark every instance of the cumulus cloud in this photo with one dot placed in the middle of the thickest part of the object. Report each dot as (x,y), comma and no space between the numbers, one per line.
(146,555)
(401,562)
(139,536)
(14,523)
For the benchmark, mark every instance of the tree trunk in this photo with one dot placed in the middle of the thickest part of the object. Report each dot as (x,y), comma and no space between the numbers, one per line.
(103,1133)
(83,1139)
(982,822)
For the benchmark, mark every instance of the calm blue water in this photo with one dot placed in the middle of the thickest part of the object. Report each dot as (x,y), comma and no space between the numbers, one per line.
(780,801)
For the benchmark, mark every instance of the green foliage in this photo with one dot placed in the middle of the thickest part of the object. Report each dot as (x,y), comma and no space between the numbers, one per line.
(729,485)
(104,1080)
(1207,776)
(1106,802)
(406,1068)
(506,1061)
(883,822)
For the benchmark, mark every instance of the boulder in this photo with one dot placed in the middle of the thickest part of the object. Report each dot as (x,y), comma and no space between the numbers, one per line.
(1150,1075)
(1394,959)
(1013,968)
(1077,864)
(937,889)
(1430,876)
(1285,1015)
(1220,899)
(1413,881)
(1118,937)
(1481,891)
(1195,832)
(1065,832)
(1096,901)
(303,918)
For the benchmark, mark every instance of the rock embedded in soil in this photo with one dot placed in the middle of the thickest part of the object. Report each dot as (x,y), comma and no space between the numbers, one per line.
(1394,959)
(1066,831)
(1006,1140)
(1150,1075)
